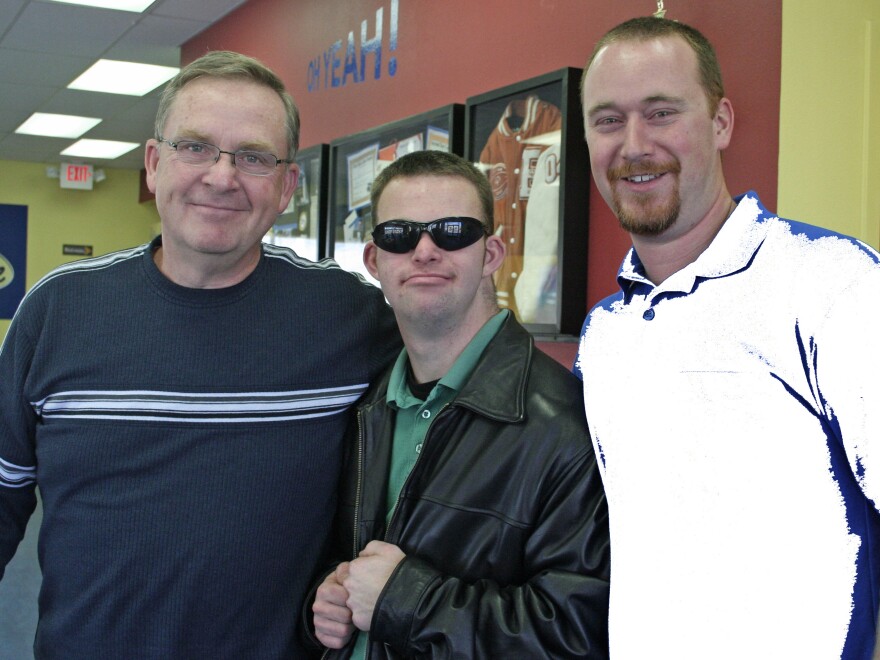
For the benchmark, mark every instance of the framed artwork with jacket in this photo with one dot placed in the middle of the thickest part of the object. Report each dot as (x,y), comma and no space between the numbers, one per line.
(528,138)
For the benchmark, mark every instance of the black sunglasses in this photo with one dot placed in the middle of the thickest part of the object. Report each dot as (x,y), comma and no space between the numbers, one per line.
(401,236)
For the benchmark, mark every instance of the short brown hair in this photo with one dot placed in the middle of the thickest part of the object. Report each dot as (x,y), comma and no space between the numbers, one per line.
(227,64)
(645,28)
(436,163)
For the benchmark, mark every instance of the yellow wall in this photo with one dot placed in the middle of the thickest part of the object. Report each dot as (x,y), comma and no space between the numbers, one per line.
(108,217)
(829,135)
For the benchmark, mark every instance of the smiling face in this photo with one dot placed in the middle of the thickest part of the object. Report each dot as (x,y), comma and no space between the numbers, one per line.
(654,142)
(213,218)
(428,287)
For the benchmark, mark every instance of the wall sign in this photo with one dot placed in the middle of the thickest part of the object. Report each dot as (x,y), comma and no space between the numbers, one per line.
(77,177)
(13,257)
(336,67)
(79,250)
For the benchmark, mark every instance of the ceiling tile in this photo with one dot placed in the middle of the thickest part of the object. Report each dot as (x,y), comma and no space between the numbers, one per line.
(58,28)
(152,30)
(40,68)
(24,99)
(8,11)
(195,9)
(33,147)
(127,51)
(45,45)
(88,104)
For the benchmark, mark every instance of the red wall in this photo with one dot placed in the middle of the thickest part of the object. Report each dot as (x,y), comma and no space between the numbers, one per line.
(450,50)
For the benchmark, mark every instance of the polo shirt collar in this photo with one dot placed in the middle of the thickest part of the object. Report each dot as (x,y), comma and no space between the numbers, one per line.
(399,396)
(730,251)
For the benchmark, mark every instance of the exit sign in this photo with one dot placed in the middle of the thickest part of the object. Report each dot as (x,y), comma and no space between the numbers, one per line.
(80,177)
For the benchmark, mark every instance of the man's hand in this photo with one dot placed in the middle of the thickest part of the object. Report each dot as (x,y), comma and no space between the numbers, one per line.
(333,626)
(367,576)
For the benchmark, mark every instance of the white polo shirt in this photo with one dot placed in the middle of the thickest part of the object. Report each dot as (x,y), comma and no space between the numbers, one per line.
(735,409)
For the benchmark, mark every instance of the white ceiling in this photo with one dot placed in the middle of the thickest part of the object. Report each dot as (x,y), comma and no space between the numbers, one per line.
(45,45)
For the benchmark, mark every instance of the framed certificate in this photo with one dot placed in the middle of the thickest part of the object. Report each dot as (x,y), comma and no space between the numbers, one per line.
(355,160)
(302,224)
(360,172)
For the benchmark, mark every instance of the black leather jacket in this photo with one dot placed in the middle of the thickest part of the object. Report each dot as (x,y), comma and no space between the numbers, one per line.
(503,518)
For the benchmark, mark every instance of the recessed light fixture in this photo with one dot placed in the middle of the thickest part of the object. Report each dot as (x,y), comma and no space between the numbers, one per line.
(99,148)
(52,125)
(124,5)
(115,77)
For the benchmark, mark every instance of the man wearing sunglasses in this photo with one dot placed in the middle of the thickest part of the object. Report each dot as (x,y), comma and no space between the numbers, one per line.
(472,521)
(187,459)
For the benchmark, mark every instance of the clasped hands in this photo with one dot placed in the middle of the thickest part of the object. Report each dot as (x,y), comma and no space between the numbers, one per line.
(346,599)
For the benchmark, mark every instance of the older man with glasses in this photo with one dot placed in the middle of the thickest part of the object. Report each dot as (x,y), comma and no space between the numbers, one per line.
(187,458)
(472,520)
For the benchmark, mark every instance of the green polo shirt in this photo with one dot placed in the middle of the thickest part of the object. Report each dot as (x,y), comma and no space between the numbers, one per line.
(414,417)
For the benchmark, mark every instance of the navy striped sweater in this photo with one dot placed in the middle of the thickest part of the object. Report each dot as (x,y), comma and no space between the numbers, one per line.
(186,444)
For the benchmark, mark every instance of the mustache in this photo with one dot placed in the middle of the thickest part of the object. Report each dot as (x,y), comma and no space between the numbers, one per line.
(644,168)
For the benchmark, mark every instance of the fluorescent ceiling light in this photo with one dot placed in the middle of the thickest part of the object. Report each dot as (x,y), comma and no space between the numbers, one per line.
(51,125)
(124,5)
(99,148)
(114,77)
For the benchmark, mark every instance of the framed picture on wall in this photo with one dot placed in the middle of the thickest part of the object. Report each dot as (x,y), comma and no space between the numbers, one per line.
(301,226)
(356,159)
(529,140)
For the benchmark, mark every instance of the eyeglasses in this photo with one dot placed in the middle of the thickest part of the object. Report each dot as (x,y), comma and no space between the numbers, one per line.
(258,163)
(401,236)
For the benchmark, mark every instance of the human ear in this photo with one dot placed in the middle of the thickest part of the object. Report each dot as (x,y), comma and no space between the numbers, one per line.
(494,254)
(723,123)
(370,251)
(151,163)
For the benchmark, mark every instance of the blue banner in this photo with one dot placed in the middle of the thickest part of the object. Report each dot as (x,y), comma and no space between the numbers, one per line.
(13,257)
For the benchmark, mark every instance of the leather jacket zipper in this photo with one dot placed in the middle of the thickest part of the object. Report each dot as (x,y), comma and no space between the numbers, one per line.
(358,493)
(360,485)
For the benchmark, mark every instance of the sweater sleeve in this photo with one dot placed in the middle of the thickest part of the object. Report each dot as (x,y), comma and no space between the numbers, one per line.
(17,457)
(560,611)
(385,341)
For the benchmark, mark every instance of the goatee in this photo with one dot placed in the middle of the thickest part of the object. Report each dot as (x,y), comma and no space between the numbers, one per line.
(645,214)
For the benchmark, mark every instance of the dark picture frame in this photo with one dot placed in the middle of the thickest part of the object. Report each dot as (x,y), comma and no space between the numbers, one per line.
(529,139)
(356,159)
(302,225)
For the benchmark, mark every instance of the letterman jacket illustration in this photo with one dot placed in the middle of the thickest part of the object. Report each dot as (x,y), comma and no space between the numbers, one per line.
(503,518)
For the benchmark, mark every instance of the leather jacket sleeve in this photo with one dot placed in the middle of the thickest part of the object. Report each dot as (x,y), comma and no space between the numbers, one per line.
(423,612)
